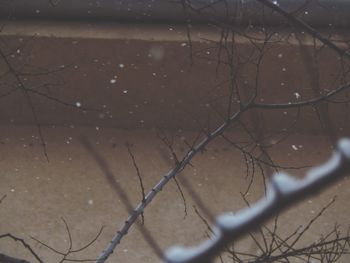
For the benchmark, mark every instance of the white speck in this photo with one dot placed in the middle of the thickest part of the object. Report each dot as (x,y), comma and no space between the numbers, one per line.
(295,148)
(91,202)
(125,91)
(112,81)
(275,3)
(12,190)
(97,128)
(37,11)
(125,250)
(306,12)
(171,29)
(297,95)
(280,55)
(78,104)
(284,69)
(121,65)
(282,84)
(183,44)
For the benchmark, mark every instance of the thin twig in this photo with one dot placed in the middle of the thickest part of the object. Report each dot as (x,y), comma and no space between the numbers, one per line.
(139,178)
(25,244)
(282,192)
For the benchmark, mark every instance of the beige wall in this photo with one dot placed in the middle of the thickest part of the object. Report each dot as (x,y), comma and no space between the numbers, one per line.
(176,98)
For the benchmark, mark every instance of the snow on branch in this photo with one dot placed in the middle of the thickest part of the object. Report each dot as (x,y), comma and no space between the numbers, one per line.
(283,191)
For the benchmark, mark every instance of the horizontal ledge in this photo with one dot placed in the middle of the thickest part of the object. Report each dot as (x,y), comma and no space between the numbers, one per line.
(316,13)
(146,32)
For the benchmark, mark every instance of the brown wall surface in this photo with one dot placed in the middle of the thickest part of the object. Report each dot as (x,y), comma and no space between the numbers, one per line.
(139,76)
(155,88)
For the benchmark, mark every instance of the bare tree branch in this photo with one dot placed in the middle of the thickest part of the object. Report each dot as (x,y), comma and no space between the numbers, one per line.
(139,178)
(135,213)
(127,203)
(282,192)
(294,20)
(25,244)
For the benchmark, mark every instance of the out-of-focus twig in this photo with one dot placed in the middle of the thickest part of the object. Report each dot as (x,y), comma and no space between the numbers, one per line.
(282,192)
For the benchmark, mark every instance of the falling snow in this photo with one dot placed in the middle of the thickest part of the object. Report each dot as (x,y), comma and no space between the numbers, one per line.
(297,95)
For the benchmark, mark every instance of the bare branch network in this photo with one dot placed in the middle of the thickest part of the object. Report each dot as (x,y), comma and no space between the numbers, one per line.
(237,101)
(227,46)
(282,192)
